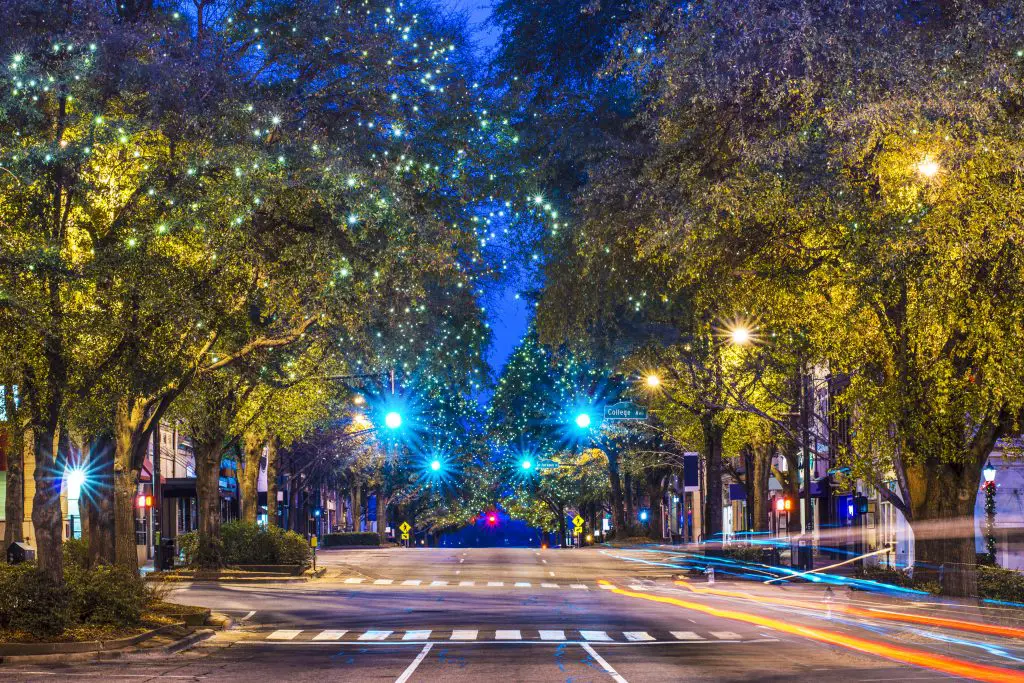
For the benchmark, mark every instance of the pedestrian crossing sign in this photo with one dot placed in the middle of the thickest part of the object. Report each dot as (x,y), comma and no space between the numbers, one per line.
(404,527)
(577,521)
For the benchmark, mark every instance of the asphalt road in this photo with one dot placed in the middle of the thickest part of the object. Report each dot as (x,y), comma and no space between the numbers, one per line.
(500,615)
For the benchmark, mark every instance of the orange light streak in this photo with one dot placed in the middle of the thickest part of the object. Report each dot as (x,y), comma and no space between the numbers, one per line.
(940,622)
(956,667)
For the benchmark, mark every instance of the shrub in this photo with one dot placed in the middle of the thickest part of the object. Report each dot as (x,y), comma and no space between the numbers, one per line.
(743,553)
(188,546)
(995,583)
(76,553)
(107,595)
(32,603)
(246,543)
(367,538)
(291,548)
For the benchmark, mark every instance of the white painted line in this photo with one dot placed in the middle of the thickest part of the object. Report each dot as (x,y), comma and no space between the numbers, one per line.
(579,587)
(412,582)
(636,587)
(329,635)
(604,665)
(544,561)
(468,634)
(438,583)
(416,635)
(596,635)
(248,616)
(685,635)
(457,573)
(522,584)
(383,582)
(637,636)
(283,634)
(511,634)
(550,585)
(552,635)
(461,561)
(409,670)
(467,583)
(375,635)
(354,580)
(607,587)
(551,573)
(726,635)
(495,583)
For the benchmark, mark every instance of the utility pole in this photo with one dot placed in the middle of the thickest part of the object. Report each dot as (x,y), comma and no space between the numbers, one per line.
(805,385)
(157,500)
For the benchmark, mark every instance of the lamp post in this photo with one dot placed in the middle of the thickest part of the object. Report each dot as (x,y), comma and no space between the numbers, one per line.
(990,511)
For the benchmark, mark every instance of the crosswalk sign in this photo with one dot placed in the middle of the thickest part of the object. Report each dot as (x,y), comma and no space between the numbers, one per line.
(405,527)
(577,521)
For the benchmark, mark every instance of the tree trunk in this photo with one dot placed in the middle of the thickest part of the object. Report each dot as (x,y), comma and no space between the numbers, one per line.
(208,456)
(357,507)
(248,484)
(627,494)
(942,497)
(46,512)
(127,415)
(712,517)
(272,482)
(615,482)
(382,516)
(99,494)
(561,523)
(14,508)
(757,485)
(656,492)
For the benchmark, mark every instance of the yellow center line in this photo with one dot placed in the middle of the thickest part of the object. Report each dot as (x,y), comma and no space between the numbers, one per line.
(956,667)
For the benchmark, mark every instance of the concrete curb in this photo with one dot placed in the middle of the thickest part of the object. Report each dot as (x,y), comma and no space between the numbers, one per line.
(225,579)
(40,653)
(219,621)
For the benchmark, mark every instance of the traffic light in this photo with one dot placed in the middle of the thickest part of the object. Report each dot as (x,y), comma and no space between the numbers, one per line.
(643,515)
(783,504)
(144,502)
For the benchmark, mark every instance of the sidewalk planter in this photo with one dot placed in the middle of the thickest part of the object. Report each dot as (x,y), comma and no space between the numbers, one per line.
(362,539)
(28,649)
(283,569)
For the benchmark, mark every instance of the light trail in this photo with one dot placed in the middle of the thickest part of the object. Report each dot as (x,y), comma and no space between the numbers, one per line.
(939,622)
(949,665)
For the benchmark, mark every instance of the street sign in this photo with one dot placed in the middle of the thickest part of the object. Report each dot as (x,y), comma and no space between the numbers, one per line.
(313,541)
(404,528)
(405,536)
(547,465)
(625,410)
(578,521)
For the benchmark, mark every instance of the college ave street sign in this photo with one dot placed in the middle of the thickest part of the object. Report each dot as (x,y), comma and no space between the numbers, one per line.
(625,410)
(547,465)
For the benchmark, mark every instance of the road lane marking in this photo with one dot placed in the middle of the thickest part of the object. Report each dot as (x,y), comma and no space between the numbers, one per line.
(552,635)
(466,634)
(354,580)
(607,586)
(579,587)
(508,634)
(414,664)
(550,585)
(596,635)
(467,583)
(416,635)
(248,616)
(457,573)
(551,573)
(544,561)
(637,636)
(685,635)
(522,584)
(438,583)
(495,583)
(383,582)
(411,582)
(461,561)
(604,665)
(375,635)
(329,635)
(726,635)
(284,634)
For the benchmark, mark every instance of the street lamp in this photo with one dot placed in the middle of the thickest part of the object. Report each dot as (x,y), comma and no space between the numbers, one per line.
(435,465)
(990,511)
(740,335)
(652,381)
(526,464)
(393,420)
(928,168)
(583,420)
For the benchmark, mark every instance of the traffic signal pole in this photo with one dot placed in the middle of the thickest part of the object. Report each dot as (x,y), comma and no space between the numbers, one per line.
(157,500)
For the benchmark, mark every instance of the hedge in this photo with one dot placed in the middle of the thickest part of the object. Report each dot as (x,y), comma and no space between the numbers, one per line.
(995,583)
(367,538)
(248,543)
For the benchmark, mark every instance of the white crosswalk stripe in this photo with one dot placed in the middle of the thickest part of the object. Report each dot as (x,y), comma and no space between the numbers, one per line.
(550,585)
(375,635)
(467,583)
(552,635)
(638,636)
(329,635)
(522,584)
(416,635)
(411,582)
(579,586)
(354,580)
(606,587)
(383,582)
(596,636)
(467,634)
(492,584)
(509,634)
(283,634)
(685,635)
(726,635)
(438,583)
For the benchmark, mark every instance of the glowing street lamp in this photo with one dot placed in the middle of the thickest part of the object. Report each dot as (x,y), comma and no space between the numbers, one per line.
(435,465)
(583,420)
(652,381)
(526,464)
(740,335)
(928,168)
(393,420)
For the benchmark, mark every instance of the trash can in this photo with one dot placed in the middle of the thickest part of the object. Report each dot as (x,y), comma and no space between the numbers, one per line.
(167,554)
(800,554)
(19,552)
(770,556)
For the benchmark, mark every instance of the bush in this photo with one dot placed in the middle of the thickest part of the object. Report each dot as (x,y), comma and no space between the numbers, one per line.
(367,538)
(188,546)
(743,553)
(995,583)
(291,548)
(32,603)
(76,553)
(107,595)
(246,543)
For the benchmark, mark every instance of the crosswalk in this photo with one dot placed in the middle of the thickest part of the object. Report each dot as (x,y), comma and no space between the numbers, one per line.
(500,635)
(441,583)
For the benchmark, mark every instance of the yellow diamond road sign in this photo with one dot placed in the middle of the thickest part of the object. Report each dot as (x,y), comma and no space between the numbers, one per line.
(404,526)
(577,520)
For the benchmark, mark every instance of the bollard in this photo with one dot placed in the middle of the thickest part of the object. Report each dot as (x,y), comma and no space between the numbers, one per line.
(710,571)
